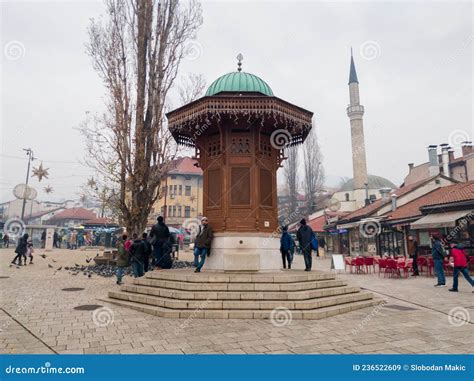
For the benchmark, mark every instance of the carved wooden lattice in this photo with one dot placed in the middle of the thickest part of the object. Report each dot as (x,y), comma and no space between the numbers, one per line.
(266,185)
(214,187)
(265,147)
(213,148)
(240,186)
(240,146)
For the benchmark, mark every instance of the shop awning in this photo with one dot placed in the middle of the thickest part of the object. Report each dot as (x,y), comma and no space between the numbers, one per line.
(439,220)
(348,226)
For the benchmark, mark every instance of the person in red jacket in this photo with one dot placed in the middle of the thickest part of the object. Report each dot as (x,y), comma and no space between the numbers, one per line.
(460,266)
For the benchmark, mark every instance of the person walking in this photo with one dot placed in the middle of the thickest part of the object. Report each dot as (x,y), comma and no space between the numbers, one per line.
(322,246)
(148,252)
(43,239)
(123,258)
(137,256)
(6,241)
(438,254)
(460,266)
(202,244)
(413,253)
(304,236)
(159,234)
(29,251)
(21,249)
(55,240)
(287,247)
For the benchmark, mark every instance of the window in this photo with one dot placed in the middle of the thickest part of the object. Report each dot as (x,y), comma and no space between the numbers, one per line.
(179,211)
(170,209)
(162,210)
(187,211)
(174,211)
(180,190)
(173,177)
(163,191)
(187,190)
(347,196)
(175,189)
(170,189)
(187,177)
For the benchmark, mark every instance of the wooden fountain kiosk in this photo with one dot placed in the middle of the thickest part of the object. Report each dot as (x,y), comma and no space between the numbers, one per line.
(239,131)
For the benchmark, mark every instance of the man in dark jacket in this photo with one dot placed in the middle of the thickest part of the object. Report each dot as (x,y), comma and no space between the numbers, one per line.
(137,256)
(304,236)
(21,249)
(202,244)
(159,234)
(438,254)
(287,246)
(148,252)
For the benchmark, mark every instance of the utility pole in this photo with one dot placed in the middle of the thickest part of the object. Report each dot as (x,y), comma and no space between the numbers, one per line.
(29,153)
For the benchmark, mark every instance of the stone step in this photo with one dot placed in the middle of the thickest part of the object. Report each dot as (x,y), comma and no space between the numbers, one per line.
(195,287)
(292,276)
(314,314)
(239,295)
(309,304)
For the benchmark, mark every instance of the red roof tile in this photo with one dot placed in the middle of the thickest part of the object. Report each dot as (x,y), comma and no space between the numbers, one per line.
(453,193)
(318,223)
(74,214)
(99,221)
(185,166)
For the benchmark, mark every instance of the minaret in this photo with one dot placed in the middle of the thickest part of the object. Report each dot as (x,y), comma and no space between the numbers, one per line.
(355,112)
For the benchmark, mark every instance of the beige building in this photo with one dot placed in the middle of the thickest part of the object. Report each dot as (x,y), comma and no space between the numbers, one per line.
(442,161)
(181,195)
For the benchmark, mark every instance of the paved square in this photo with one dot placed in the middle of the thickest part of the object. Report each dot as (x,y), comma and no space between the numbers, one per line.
(36,316)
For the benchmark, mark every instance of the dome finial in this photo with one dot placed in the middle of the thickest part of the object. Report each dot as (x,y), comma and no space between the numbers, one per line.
(240,57)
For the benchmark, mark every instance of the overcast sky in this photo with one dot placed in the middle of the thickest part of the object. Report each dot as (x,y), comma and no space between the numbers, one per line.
(413,60)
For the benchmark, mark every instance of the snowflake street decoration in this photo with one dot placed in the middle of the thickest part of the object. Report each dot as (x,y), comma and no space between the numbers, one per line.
(48,189)
(40,172)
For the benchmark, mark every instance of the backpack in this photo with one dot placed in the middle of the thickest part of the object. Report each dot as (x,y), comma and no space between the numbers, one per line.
(314,241)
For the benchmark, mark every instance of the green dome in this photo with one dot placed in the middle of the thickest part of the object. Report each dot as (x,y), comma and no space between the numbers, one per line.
(375,182)
(239,81)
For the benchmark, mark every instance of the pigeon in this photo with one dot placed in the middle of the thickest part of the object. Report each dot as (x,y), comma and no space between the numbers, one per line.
(66,268)
(53,260)
(50,266)
(43,255)
(59,268)
(77,265)
(88,259)
(90,276)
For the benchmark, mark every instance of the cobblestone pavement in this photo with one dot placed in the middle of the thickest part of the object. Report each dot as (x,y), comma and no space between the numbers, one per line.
(36,316)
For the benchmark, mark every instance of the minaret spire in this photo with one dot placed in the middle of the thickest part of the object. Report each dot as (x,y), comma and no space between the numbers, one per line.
(352,72)
(355,112)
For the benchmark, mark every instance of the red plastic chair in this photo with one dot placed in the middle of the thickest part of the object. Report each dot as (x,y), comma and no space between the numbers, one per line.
(382,266)
(431,266)
(392,268)
(359,264)
(369,262)
(422,263)
(348,262)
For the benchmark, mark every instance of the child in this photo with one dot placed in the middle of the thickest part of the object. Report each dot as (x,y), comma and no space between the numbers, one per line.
(29,251)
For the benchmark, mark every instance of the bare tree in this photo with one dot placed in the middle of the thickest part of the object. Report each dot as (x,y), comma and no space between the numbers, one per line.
(137,52)
(313,170)
(291,165)
(192,88)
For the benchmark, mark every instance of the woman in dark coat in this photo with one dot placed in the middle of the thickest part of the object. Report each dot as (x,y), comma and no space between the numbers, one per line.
(21,249)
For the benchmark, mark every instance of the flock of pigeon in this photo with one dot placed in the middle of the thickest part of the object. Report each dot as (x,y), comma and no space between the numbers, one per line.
(102,270)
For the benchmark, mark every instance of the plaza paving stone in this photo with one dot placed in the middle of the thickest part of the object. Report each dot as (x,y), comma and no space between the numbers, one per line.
(36,316)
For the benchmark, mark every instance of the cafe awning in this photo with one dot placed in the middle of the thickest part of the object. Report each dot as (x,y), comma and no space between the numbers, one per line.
(440,220)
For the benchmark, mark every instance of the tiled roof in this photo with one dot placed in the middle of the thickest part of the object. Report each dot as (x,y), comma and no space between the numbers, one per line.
(376,205)
(99,221)
(42,213)
(453,193)
(318,223)
(185,166)
(74,214)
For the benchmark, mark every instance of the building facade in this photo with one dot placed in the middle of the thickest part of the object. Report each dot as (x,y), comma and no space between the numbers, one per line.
(181,196)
